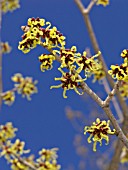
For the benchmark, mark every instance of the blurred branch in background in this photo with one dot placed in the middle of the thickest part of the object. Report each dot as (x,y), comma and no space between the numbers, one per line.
(0,54)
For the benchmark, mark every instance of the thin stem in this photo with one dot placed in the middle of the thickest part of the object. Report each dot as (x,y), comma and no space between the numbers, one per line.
(112,93)
(26,163)
(91,4)
(114,101)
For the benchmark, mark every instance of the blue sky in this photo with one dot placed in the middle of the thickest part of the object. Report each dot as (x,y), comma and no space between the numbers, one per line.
(42,121)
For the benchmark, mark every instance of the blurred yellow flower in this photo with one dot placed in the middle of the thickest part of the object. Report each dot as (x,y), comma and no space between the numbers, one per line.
(9,5)
(25,86)
(5,47)
(103,2)
(8,97)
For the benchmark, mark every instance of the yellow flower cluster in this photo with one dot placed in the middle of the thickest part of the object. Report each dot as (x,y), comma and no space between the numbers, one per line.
(40,32)
(69,81)
(99,131)
(35,34)
(69,59)
(9,5)
(120,72)
(5,47)
(8,97)
(91,66)
(7,131)
(13,149)
(32,35)
(25,86)
(53,38)
(68,56)
(46,61)
(48,160)
(124,89)
(124,54)
(103,2)
(99,73)
(13,152)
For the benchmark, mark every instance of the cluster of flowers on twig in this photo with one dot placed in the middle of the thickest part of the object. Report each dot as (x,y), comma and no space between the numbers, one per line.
(120,72)
(14,152)
(24,86)
(5,47)
(48,159)
(37,31)
(9,5)
(98,131)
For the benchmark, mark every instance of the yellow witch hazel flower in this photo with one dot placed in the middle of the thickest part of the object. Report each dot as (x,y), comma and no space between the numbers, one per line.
(124,55)
(7,131)
(13,149)
(67,56)
(36,22)
(99,131)
(103,2)
(30,40)
(8,97)
(124,89)
(32,35)
(5,47)
(88,64)
(119,72)
(46,61)
(36,35)
(69,81)
(98,73)
(9,5)
(25,86)
(48,159)
(53,38)
(48,154)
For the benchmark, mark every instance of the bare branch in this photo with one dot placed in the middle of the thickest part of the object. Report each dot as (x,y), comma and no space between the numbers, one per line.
(111,94)
(115,160)
(26,163)
(114,101)
(96,48)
